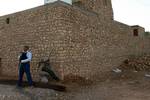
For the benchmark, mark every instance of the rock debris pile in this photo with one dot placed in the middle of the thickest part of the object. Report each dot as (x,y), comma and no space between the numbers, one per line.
(140,63)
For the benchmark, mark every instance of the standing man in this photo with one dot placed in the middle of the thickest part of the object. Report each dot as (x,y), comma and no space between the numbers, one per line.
(24,66)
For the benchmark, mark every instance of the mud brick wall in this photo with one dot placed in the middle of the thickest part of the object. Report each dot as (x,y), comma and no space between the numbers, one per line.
(77,41)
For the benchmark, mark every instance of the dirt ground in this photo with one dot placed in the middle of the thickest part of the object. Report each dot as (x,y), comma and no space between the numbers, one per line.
(127,85)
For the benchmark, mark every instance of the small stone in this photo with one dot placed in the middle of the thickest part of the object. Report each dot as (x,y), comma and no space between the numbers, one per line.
(117,70)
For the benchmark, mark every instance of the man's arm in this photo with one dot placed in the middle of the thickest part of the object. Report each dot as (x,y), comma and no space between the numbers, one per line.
(29,57)
(19,55)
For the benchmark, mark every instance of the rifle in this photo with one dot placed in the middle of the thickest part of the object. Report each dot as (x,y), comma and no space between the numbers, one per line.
(47,60)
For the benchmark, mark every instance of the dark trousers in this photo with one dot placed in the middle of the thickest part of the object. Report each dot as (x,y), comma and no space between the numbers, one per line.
(24,68)
(51,73)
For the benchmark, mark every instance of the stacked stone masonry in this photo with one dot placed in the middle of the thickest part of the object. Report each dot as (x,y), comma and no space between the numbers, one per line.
(77,41)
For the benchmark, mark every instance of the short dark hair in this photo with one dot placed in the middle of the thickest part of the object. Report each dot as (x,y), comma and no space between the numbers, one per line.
(26,47)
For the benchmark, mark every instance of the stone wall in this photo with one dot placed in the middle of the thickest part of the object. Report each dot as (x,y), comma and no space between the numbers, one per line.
(40,29)
(101,7)
(96,45)
(77,41)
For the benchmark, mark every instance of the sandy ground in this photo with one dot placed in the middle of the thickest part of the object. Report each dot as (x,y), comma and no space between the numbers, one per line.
(125,86)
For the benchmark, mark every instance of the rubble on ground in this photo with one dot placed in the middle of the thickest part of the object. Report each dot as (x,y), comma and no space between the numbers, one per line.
(141,63)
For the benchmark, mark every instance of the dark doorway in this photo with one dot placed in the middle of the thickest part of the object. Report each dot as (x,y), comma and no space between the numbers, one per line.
(135,32)
(7,20)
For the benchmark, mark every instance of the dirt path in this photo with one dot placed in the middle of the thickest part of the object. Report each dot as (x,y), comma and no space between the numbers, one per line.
(125,86)
(106,91)
(128,86)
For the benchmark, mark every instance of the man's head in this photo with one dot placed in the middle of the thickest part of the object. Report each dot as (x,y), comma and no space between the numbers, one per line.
(26,48)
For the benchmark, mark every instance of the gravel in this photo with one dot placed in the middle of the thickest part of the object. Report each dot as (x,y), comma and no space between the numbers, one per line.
(13,93)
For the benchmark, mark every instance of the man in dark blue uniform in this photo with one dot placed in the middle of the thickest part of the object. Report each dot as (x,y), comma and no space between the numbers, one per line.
(24,66)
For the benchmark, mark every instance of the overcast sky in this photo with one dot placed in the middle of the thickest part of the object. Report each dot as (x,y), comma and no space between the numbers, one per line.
(131,12)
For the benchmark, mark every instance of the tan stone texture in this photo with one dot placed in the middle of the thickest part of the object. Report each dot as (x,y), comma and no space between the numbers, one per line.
(77,41)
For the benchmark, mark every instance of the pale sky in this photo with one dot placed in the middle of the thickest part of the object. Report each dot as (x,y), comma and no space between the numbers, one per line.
(131,12)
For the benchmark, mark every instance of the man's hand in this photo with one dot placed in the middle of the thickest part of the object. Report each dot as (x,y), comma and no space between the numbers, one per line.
(22,61)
